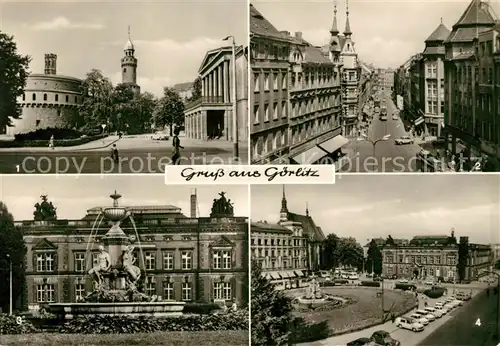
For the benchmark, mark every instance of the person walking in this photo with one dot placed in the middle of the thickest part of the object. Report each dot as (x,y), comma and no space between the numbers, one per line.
(393,318)
(51,142)
(114,154)
(176,146)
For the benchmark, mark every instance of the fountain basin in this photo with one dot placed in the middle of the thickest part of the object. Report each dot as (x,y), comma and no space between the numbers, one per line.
(115,213)
(160,309)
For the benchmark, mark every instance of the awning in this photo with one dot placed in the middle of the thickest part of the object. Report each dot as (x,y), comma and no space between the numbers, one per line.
(291,274)
(309,156)
(266,275)
(275,275)
(334,144)
(299,273)
(284,275)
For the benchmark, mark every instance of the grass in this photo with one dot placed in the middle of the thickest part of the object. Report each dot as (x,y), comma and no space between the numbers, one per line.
(213,338)
(366,311)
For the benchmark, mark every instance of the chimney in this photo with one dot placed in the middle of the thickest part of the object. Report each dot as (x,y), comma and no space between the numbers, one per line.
(50,63)
(193,204)
(286,33)
(298,34)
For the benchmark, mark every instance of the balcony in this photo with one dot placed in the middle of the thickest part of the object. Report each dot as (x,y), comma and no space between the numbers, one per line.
(205,100)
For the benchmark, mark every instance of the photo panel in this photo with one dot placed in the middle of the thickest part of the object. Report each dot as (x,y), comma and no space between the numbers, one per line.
(123,259)
(139,86)
(342,87)
(377,259)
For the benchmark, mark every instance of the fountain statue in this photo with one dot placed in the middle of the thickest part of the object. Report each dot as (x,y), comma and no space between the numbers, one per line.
(116,274)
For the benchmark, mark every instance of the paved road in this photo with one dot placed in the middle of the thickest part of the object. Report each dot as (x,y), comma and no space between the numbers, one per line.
(473,324)
(388,157)
(99,161)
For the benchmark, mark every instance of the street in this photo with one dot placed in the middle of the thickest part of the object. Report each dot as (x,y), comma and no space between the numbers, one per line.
(389,157)
(137,155)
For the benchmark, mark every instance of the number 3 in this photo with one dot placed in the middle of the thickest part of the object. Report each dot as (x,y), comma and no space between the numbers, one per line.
(19,320)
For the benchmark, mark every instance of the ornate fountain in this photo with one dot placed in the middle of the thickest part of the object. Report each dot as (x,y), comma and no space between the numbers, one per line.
(116,275)
(313,294)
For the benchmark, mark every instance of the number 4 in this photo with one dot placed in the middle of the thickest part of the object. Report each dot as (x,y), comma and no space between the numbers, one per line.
(478,322)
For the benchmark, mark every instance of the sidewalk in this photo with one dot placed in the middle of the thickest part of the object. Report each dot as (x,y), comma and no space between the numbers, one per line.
(103,143)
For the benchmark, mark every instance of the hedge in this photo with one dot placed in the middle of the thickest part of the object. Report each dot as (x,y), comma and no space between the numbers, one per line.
(45,143)
(405,287)
(46,133)
(10,325)
(370,283)
(434,292)
(341,281)
(200,308)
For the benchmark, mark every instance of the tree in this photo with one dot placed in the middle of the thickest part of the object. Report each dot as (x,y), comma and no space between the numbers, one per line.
(169,110)
(389,241)
(463,250)
(140,117)
(374,258)
(330,255)
(122,103)
(13,245)
(271,312)
(45,211)
(350,253)
(97,107)
(196,89)
(13,75)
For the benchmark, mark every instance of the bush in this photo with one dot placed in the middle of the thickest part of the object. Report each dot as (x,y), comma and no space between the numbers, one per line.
(96,324)
(434,292)
(327,284)
(200,308)
(405,287)
(303,331)
(45,143)
(370,283)
(9,325)
(46,133)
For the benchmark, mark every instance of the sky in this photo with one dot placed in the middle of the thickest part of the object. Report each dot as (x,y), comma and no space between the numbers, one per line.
(171,37)
(74,195)
(386,32)
(371,206)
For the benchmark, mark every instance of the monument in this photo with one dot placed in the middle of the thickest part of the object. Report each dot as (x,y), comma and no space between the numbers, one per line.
(115,275)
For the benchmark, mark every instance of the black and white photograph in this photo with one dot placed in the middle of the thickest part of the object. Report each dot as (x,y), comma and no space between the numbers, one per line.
(375,86)
(377,260)
(122,260)
(122,87)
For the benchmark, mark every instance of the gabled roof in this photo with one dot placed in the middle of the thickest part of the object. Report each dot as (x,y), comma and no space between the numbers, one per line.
(213,54)
(477,18)
(434,50)
(261,26)
(44,244)
(222,241)
(441,33)
(314,54)
(308,226)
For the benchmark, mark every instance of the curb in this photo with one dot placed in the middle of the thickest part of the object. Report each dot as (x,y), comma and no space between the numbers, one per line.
(100,147)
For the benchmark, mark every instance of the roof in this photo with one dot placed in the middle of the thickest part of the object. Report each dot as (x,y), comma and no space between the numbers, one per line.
(261,26)
(434,50)
(441,33)
(477,18)
(308,226)
(264,226)
(314,54)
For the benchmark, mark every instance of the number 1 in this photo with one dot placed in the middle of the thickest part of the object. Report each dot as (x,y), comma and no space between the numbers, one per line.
(17,168)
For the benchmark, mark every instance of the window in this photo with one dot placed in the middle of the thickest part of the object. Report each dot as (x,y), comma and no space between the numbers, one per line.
(226,260)
(124,69)
(24,97)
(79,262)
(45,262)
(40,293)
(283,81)
(283,134)
(256,114)
(50,293)
(33,97)
(168,260)
(283,110)
(150,261)
(79,292)
(266,81)
(150,286)
(76,99)
(275,81)
(275,141)
(222,259)
(45,97)
(266,112)
(222,290)
(187,291)
(56,97)
(256,82)
(168,290)
(275,111)
(67,98)
(187,260)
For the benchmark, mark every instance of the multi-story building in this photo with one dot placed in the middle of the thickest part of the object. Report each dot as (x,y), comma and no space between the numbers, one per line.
(297,101)
(471,126)
(433,60)
(495,249)
(196,258)
(185,90)
(432,257)
(212,115)
(289,249)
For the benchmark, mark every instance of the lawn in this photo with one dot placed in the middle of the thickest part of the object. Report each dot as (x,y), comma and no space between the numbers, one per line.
(213,338)
(366,311)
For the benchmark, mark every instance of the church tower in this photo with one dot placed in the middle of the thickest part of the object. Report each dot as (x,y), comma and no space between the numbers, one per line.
(129,66)
(334,38)
(284,208)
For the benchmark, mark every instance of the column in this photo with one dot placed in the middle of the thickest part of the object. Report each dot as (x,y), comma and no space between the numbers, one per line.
(225,84)
(229,124)
(227,80)
(227,119)
(210,86)
(198,127)
(203,87)
(204,125)
(219,82)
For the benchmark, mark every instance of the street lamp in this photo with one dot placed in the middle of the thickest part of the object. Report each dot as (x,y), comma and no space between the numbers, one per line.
(374,143)
(498,304)
(10,284)
(236,150)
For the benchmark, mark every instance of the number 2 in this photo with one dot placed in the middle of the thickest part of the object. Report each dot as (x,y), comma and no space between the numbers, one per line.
(478,322)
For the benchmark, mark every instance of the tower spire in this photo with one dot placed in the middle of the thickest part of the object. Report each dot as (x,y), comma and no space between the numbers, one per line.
(347,30)
(334,30)
(284,208)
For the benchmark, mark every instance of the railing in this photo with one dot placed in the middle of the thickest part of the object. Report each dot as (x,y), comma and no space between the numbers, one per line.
(204,99)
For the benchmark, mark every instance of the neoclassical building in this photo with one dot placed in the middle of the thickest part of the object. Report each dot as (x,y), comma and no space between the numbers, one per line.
(185,258)
(289,250)
(48,99)
(212,115)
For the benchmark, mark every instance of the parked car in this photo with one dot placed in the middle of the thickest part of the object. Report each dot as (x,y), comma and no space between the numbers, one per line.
(383,338)
(409,323)
(160,136)
(360,342)
(353,276)
(420,319)
(463,296)
(403,140)
(425,314)
(441,307)
(430,283)
(437,313)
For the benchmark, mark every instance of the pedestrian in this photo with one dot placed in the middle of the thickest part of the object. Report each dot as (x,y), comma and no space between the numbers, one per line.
(176,146)
(51,142)
(425,303)
(393,318)
(114,154)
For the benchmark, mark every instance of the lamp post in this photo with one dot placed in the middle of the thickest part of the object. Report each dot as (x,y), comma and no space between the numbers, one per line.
(10,284)
(236,150)
(374,143)
(498,305)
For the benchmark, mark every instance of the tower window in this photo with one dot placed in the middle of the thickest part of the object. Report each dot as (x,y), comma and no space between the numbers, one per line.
(76,99)
(45,97)
(34,97)
(67,98)
(24,97)
(57,97)
(124,69)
